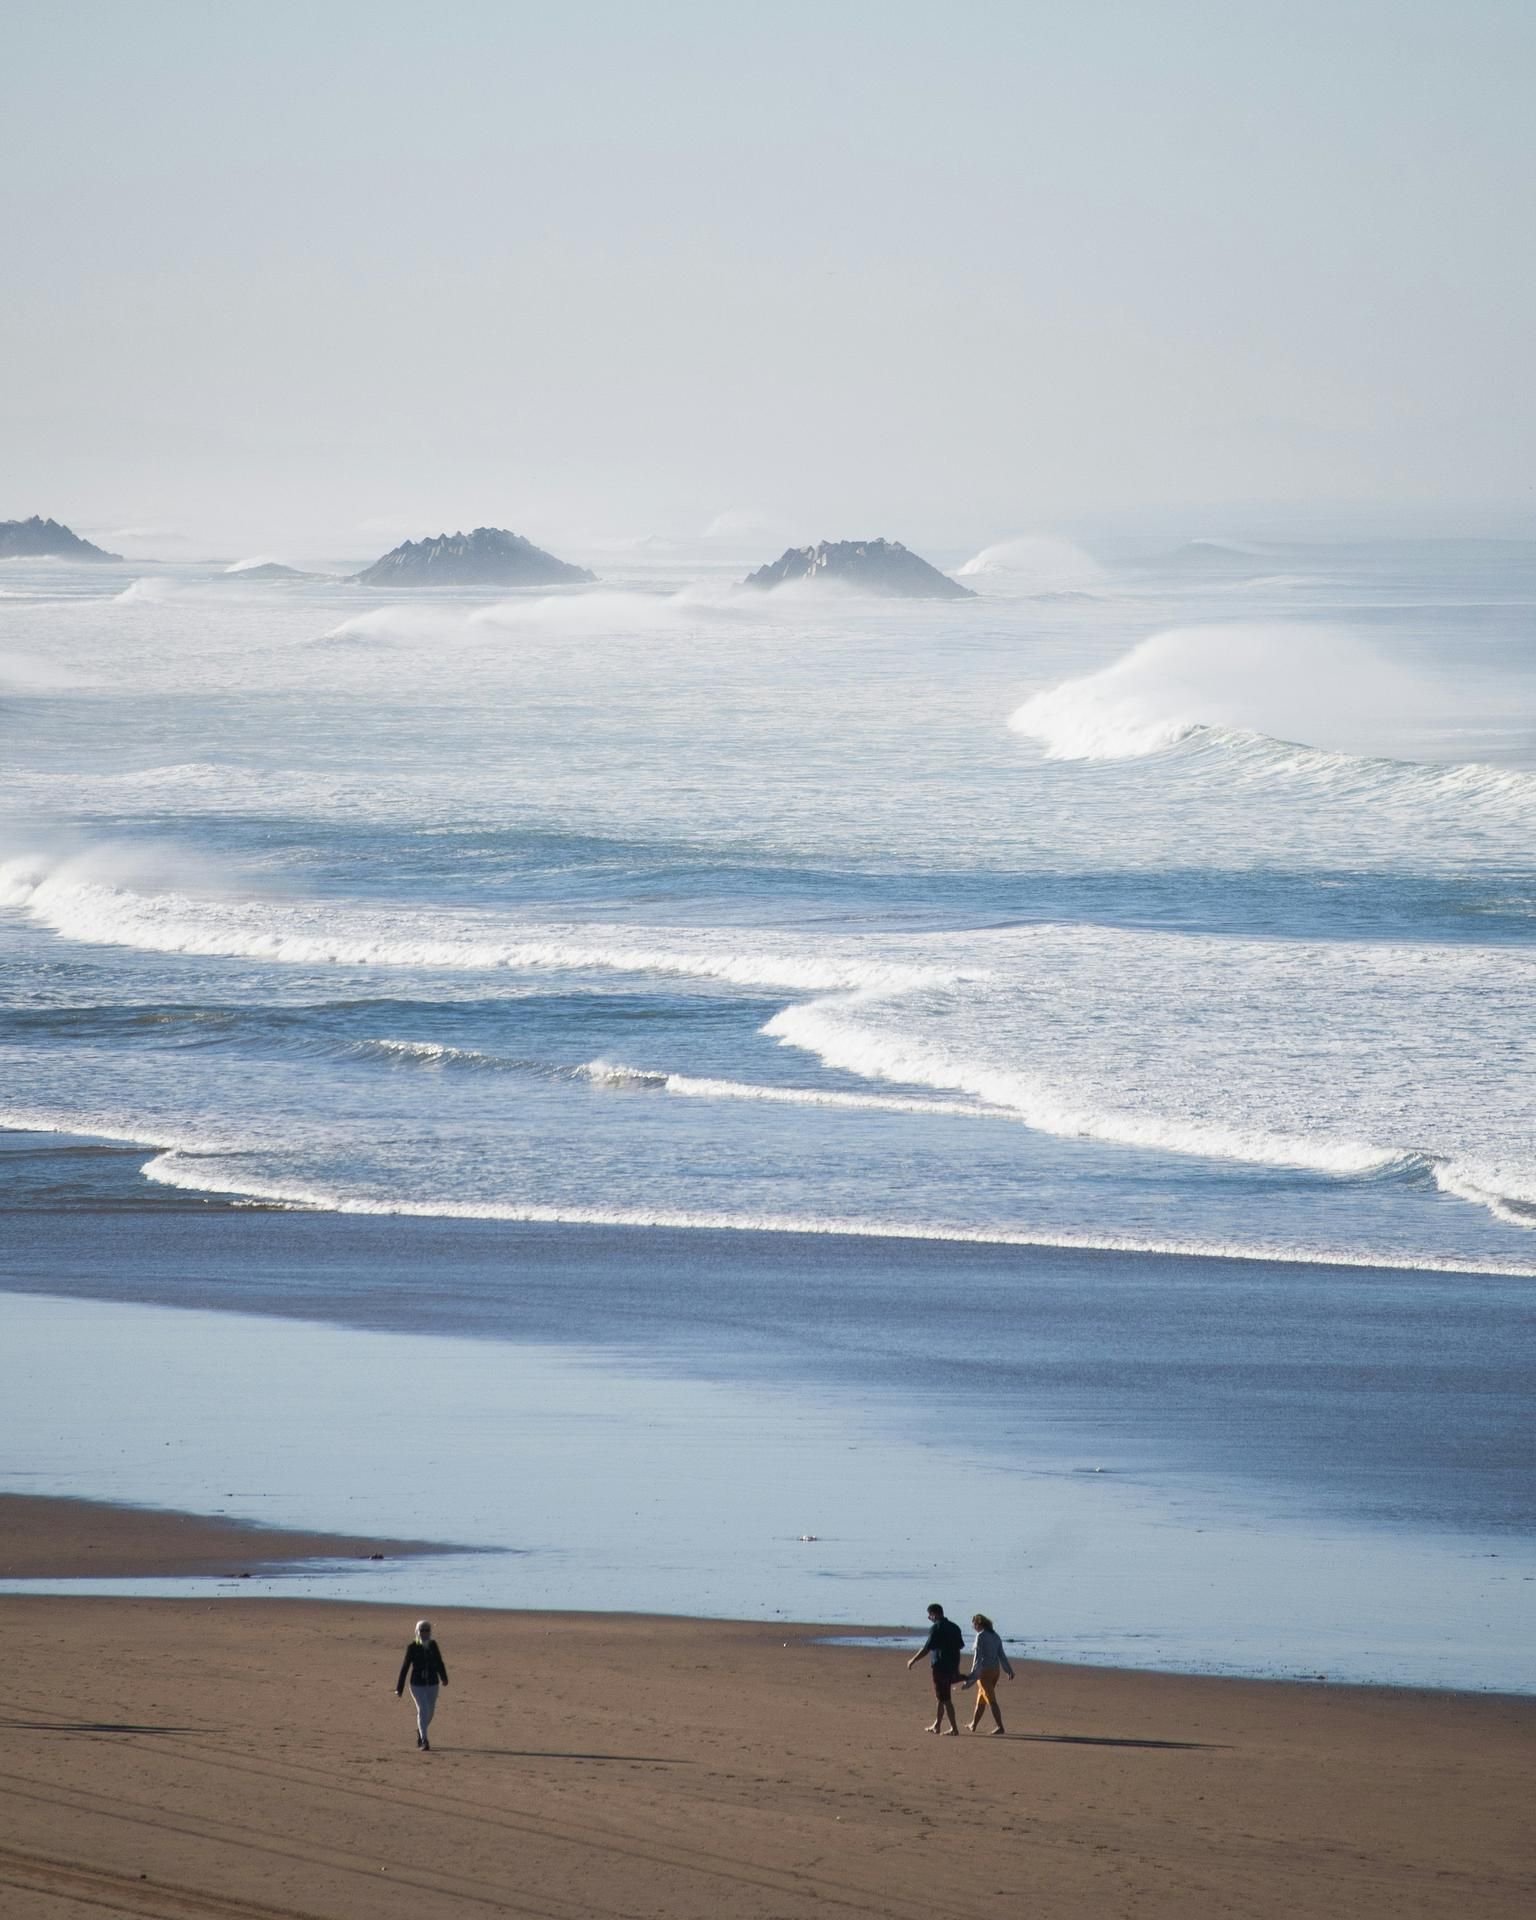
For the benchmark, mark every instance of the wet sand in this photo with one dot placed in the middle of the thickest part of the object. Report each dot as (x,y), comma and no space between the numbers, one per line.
(50,1539)
(247,1758)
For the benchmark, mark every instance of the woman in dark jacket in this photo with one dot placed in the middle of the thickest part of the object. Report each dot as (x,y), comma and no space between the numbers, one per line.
(424,1663)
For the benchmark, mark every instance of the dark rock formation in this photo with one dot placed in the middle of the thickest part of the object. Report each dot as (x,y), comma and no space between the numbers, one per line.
(272,570)
(488,557)
(39,539)
(870,566)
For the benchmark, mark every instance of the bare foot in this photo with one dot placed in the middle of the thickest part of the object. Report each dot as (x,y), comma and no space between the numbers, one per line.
(996,1731)
(933,1729)
(954,1730)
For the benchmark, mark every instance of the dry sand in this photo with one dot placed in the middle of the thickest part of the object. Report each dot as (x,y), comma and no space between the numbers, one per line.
(248,1758)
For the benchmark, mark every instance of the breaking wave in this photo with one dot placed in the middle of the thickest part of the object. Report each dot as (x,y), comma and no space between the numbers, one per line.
(1250,696)
(173,1169)
(1506,1194)
(587,611)
(69,899)
(608,1074)
(1294,682)
(1276,1054)
(821,1028)
(1035,563)
(435,1053)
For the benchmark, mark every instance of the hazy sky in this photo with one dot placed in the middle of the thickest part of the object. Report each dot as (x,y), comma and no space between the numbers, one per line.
(328,273)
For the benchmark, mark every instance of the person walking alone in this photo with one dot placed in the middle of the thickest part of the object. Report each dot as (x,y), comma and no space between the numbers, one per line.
(424,1663)
(944,1645)
(988,1658)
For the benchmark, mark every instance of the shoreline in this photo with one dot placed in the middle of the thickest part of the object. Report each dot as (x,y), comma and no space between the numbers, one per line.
(678,1474)
(55,1535)
(47,1537)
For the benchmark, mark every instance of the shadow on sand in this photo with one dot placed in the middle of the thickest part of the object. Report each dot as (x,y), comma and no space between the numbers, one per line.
(533,1753)
(1109,1740)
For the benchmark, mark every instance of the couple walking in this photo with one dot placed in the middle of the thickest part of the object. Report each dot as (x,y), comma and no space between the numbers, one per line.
(943,1647)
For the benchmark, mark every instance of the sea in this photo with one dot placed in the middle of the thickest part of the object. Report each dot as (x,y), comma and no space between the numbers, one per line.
(798,1105)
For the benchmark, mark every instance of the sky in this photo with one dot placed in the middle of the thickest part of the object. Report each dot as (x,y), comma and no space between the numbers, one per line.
(327,275)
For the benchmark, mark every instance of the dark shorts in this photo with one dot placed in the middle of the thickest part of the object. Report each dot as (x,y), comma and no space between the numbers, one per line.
(943,1679)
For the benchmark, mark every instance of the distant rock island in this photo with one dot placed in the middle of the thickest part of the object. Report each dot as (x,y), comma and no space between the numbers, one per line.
(272,570)
(39,539)
(871,566)
(488,557)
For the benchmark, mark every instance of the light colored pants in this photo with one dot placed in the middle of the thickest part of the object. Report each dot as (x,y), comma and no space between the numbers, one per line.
(426,1706)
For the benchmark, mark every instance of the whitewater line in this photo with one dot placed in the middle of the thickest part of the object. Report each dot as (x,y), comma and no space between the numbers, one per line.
(163,1172)
(95,913)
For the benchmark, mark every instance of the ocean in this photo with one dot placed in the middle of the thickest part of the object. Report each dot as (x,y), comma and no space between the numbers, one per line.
(1070,1049)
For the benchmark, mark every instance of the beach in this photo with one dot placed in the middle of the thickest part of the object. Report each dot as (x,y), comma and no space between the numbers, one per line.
(236,1759)
(767,791)
(653,1111)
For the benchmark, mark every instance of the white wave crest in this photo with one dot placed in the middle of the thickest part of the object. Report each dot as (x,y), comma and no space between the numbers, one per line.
(1466,786)
(388,624)
(609,1073)
(79,906)
(1295,682)
(429,1053)
(1252,695)
(822,1028)
(1508,1194)
(597,611)
(689,1087)
(606,610)
(1041,563)
(169,1169)
(121,1130)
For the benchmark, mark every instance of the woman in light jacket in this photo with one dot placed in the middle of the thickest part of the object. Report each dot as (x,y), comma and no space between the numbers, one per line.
(988,1658)
(424,1663)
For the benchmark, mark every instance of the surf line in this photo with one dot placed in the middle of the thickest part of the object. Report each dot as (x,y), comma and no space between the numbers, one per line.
(171,1169)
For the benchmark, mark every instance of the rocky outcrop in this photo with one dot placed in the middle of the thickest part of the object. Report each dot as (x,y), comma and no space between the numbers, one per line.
(271,570)
(39,539)
(488,557)
(869,566)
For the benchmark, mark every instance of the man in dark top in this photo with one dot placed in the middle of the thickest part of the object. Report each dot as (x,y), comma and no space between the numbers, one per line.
(944,1645)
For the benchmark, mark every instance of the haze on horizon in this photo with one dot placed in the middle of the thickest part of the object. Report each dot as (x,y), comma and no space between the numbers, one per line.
(325,277)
